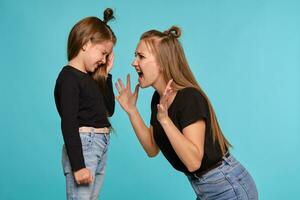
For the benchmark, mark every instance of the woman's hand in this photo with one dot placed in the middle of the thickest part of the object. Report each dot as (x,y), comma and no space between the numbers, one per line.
(83,176)
(162,107)
(126,98)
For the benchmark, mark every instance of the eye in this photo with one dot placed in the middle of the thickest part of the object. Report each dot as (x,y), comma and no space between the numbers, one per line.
(105,55)
(140,56)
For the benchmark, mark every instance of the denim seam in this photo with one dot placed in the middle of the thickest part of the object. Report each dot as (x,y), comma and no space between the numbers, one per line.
(232,185)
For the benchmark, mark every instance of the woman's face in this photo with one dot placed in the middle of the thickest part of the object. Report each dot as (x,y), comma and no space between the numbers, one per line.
(96,55)
(146,66)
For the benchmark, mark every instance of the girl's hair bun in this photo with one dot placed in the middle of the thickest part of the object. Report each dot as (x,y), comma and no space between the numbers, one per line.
(108,14)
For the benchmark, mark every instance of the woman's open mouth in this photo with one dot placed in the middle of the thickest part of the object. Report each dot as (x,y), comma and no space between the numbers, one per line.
(140,74)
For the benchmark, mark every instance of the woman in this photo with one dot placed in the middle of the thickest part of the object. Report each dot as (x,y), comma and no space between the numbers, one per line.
(183,123)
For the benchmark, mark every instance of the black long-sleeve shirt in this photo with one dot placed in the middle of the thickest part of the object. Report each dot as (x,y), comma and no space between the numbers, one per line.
(80,102)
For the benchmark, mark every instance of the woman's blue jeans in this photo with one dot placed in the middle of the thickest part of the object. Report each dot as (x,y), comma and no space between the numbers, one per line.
(229,181)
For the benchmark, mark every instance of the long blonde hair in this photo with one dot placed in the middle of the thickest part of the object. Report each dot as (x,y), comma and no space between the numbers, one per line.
(171,58)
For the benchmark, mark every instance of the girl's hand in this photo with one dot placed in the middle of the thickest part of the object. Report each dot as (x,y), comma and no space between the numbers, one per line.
(162,107)
(83,176)
(126,99)
(110,62)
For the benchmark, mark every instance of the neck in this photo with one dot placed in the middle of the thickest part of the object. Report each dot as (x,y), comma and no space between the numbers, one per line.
(160,86)
(78,64)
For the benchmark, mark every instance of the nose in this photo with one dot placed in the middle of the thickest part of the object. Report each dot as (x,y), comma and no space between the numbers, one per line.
(134,63)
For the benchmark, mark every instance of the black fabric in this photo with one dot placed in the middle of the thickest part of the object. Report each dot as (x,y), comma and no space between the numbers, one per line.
(80,102)
(188,107)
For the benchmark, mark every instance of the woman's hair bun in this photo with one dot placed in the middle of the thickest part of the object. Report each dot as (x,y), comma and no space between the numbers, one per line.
(175,31)
(108,14)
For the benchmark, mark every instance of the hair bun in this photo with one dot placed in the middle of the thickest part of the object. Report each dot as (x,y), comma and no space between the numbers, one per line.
(108,14)
(175,31)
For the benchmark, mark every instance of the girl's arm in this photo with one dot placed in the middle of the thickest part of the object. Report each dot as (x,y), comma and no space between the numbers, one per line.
(68,103)
(109,96)
(127,101)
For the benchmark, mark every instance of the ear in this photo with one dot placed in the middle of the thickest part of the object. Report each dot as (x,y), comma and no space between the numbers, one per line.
(161,69)
(86,46)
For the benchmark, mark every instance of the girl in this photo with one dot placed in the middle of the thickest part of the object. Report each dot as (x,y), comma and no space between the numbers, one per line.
(84,99)
(183,123)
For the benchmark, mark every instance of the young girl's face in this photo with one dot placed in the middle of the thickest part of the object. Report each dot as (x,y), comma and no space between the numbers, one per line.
(146,66)
(96,54)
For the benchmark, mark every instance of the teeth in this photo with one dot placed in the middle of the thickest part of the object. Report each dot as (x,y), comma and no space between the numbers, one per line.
(139,73)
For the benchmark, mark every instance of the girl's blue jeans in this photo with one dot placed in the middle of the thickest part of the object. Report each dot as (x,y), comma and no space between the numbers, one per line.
(94,148)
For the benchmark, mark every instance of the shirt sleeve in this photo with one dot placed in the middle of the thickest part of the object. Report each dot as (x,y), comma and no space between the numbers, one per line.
(69,100)
(193,107)
(109,96)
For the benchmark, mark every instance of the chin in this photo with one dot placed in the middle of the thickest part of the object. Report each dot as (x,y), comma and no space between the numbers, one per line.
(143,86)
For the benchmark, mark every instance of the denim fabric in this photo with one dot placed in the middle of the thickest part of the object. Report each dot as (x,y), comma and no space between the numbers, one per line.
(94,148)
(229,181)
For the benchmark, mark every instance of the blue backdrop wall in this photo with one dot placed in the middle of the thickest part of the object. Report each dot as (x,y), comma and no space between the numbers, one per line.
(245,55)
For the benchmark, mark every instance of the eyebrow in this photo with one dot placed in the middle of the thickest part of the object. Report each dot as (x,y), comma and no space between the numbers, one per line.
(139,53)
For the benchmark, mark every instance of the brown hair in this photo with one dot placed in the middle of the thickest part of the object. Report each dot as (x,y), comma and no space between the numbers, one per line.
(97,31)
(90,29)
(171,58)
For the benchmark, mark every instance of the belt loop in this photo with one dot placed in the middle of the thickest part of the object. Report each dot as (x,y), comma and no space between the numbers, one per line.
(106,137)
(226,158)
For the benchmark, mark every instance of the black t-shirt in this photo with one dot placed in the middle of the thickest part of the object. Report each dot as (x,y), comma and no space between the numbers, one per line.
(80,102)
(188,107)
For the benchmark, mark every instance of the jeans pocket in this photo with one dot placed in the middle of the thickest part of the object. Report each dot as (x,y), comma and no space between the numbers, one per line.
(86,141)
(248,185)
(212,177)
(106,138)
(102,142)
(214,186)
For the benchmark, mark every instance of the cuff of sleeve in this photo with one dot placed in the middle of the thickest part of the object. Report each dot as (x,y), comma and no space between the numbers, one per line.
(192,120)
(76,158)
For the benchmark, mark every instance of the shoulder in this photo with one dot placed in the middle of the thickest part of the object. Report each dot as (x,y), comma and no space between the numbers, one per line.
(192,99)
(189,93)
(67,80)
(189,90)
(67,75)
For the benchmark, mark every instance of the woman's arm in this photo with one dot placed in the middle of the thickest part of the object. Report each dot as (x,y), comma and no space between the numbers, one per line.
(127,101)
(143,133)
(189,145)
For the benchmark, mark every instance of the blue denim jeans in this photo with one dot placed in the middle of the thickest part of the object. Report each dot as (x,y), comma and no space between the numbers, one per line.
(228,181)
(94,148)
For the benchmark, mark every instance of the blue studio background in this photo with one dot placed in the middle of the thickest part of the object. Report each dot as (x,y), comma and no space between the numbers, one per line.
(245,55)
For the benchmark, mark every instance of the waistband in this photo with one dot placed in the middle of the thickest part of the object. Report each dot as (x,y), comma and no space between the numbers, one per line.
(86,129)
(217,164)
